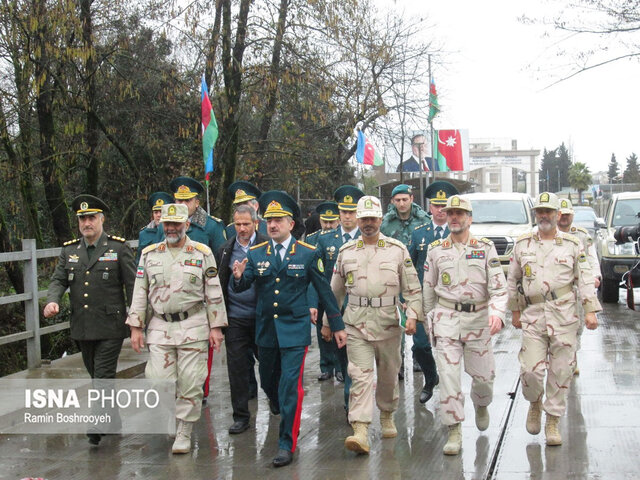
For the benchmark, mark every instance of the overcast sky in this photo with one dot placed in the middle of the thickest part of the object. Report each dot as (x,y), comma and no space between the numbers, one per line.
(488,87)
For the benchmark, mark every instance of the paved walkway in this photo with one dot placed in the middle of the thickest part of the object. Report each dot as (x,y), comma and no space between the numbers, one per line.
(601,429)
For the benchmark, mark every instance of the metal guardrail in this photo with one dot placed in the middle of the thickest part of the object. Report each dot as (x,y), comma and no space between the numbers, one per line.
(30,256)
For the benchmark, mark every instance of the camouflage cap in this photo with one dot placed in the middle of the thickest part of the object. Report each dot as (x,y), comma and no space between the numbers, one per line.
(174,212)
(566,207)
(369,206)
(547,200)
(456,202)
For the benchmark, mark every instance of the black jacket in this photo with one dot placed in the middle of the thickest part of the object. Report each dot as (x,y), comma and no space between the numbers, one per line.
(223,257)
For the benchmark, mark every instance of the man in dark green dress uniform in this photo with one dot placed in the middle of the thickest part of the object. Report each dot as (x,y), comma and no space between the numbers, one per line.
(99,271)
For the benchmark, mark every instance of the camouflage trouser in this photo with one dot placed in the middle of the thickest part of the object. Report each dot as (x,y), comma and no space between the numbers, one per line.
(362,353)
(580,310)
(553,354)
(478,363)
(187,365)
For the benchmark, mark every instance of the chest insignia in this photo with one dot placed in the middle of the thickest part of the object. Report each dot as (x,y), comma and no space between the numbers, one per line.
(73,259)
(109,257)
(527,270)
(446,278)
(295,266)
(476,254)
(262,266)
(349,278)
(193,262)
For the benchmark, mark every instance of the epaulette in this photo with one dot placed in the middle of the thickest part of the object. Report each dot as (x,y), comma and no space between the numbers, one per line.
(349,244)
(217,219)
(118,239)
(230,225)
(579,229)
(486,240)
(394,241)
(324,232)
(149,248)
(317,232)
(202,247)
(435,243)
(71,242)
(569,237)
(309,246)
(420,226)
(524,236)
(259,245)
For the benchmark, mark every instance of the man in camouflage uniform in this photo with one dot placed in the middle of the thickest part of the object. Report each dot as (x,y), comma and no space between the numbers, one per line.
(177,282)
(565,225)
(374,271)
(465,298)
(437,193)
(545,268)
(403,216)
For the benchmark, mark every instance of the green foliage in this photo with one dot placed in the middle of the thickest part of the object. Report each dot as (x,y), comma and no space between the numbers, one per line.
(631,173)
(614,169)
(554,169)
(580,178)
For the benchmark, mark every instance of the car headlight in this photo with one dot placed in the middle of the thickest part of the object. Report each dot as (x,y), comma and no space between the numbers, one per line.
(627,248)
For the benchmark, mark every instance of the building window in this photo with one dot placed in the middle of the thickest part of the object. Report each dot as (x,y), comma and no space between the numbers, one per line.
(494,178)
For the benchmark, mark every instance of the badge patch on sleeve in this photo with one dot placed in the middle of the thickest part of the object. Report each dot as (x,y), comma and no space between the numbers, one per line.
(140,272)
(494,262)
(211,272)
(320,266)
(426,267)
(408,262)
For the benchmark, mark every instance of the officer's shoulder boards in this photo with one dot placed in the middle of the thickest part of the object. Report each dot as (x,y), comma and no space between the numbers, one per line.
(217,219)
(317,232)
(435,243)
(524,236)
(393,241)
(580,229)
(349,244)
(202,247)
(230,224)
(71,242)
(569,237)
(259,245)
(420,226)
(446,244)
(149,248)
(486,240)
(118,239)
(304,244)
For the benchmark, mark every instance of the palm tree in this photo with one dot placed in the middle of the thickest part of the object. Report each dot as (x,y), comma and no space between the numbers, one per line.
(579,178)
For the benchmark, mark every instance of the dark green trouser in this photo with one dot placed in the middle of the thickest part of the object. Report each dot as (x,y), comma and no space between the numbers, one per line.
(100,357)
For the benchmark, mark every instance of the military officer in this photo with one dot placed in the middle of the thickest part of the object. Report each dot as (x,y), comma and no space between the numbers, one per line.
(99,271)
(282,269)
(374,271)
(202,228)
(403,215)
(177,282)
(565,225)
(437,193)
(329,220)
(149,233)
(329,243)
(465,298)
(245,193)
(545,268)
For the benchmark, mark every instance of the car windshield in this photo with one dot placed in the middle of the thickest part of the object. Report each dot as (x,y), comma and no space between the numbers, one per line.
(584,215)
(499,211)
(626,212)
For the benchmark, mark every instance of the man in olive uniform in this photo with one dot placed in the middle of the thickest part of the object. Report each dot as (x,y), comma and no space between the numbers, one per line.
(437,193)
(329,220)
(99,271)
(465,299)
(374,271)
(565,224)
(546,266)
(329,243)
(282,269)
(202,228)
(245,193)
(149,233)
(177,282)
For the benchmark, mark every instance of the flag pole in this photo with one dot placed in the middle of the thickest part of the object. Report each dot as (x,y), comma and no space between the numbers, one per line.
(208,205)
(433,160)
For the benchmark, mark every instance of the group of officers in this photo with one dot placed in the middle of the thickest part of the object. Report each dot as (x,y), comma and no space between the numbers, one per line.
(365,280)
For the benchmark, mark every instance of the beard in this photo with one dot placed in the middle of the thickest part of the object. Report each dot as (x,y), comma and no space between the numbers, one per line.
(174,237)
(546,226)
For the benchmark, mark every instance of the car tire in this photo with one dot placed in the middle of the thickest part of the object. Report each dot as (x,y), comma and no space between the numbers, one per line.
(610,291)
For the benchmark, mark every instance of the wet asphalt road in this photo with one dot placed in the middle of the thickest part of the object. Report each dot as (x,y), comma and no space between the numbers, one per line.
(601,430)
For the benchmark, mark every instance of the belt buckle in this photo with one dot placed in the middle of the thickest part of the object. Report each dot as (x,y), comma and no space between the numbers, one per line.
(458,307)
(372,302)
(366,301)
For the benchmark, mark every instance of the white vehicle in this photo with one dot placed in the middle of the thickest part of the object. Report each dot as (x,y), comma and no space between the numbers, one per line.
(617,258)
(502,218)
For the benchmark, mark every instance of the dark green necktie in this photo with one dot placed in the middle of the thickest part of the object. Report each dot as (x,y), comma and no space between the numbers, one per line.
(278,256)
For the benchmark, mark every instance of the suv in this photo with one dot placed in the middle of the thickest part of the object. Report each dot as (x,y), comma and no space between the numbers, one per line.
(502,218)
(616,259)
